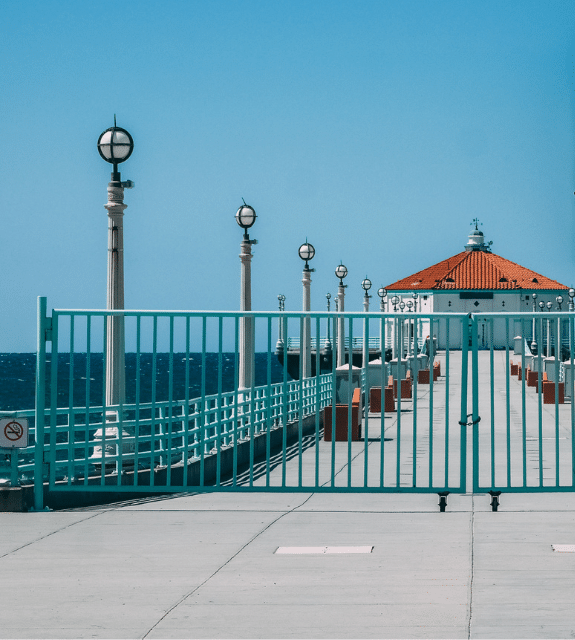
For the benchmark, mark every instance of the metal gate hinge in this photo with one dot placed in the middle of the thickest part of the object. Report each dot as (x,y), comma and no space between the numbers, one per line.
(470,423)
(48,329)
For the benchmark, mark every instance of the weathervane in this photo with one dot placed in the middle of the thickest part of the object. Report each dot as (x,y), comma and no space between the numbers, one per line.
(476,223)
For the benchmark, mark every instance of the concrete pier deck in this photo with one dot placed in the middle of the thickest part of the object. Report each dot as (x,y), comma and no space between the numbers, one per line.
(206,566)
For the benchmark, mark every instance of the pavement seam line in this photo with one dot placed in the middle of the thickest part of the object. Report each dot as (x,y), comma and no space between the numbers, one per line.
(52,533)
(472,566)
(190,593)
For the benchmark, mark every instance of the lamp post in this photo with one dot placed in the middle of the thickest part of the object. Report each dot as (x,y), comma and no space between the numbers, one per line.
(559,348)
(366,286)
(306,253)
(394,301)
(549,306)
(571,294)
(245,217)
(534,340)
(115,146)
(280,343)
(382,293)
(328,340)
(341,273)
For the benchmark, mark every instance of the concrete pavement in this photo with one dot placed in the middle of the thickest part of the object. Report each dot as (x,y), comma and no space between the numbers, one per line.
(204,566)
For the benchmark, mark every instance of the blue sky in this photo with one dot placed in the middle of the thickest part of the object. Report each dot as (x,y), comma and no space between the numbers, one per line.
(377,130)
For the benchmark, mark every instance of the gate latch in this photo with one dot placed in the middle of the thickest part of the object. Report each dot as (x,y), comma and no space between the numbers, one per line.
(470,423)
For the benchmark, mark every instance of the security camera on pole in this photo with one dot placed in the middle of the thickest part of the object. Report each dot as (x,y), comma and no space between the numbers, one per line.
(245,217)
(306,253)
(341,272)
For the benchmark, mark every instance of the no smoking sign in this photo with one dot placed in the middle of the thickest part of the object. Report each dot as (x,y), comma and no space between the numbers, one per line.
(13,433)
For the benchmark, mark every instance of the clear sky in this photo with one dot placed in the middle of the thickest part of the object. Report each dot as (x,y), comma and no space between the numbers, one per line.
(376,129)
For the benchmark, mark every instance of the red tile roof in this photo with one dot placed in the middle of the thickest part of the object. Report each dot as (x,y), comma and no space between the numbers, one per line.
(475,270)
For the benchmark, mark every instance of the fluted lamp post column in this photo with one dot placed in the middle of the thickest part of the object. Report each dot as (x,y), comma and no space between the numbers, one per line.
(115,146)
(306,252)
(534,341)
(395,337)
(366,286)
(280,346)
(382,293)
(341,273)
(245,217)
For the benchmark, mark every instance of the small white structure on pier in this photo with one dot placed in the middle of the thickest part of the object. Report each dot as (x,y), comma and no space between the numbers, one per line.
(478,280)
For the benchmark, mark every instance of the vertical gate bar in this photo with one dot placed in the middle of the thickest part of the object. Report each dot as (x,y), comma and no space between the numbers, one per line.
(88,393)
(220,403)
(507,402)
(447,387)
(153,407)
(540,400)
(269,403)
(170,403)
(492,400)
(365,402)
(414,401)
(186,426)
(557,331)
(285,400)
(138,391)
(237,416)
(39,423)
(398,372)
(252,419)
(202,412)
(104,402)
(349,401)
(431,397)
(300,402)
(334,399)
(523,403)
(472,326)
(317,397)
(71,417)
(382,384)
(572,392)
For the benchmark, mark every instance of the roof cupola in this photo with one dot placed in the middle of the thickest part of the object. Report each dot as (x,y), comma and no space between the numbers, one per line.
(476,239)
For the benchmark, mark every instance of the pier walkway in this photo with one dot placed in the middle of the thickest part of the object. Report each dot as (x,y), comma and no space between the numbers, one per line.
(207,565)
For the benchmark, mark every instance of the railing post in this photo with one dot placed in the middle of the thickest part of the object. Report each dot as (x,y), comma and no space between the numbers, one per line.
(43,327)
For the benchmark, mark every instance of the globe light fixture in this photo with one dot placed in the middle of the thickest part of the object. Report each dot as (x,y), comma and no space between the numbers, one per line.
(366,284)
(395,302)
(559,300)
(549,305)
(306,252)
(245,217)
(402,305)
(541,305)
(341,272)
(115,145)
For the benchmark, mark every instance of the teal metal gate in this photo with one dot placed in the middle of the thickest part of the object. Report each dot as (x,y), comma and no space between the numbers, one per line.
(184,425)
(523,409)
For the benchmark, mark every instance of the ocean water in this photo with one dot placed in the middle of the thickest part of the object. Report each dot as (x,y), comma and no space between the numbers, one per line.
(82,377)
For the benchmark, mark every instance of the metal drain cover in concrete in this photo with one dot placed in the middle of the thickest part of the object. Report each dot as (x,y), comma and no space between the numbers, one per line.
(563,548)
(322,550)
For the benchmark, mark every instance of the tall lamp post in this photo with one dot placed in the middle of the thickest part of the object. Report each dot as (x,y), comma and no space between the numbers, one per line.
(115,146)
(245,217)
(341,273)
(306,253)
(366,286)
(559,349)
(328,348)
(382,293)
(394,301)
(534,340)
(280,343)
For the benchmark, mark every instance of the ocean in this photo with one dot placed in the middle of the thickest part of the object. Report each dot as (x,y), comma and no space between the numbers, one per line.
(18,372)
